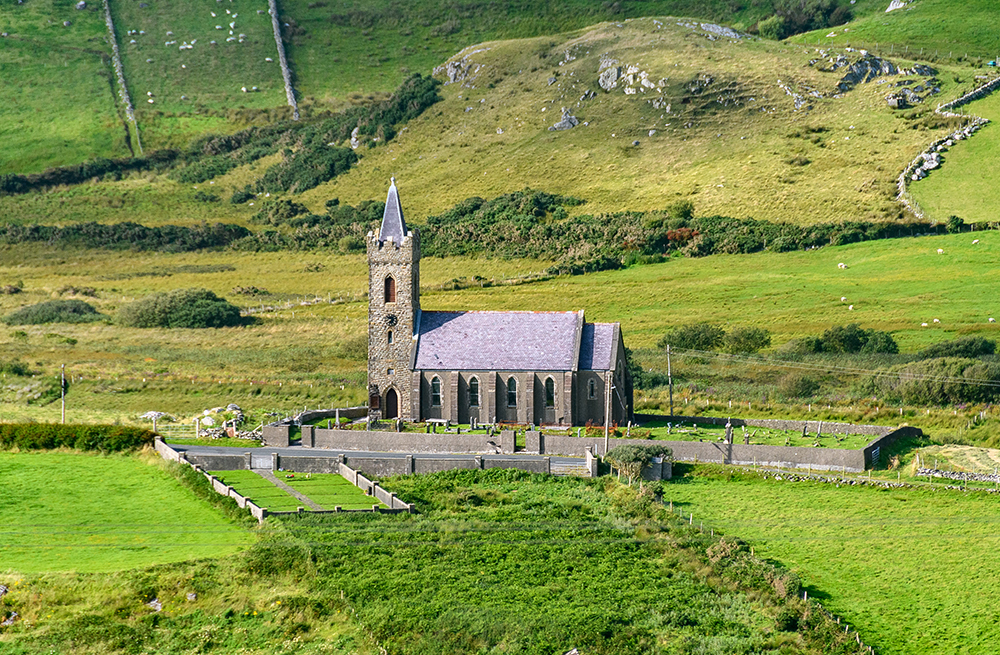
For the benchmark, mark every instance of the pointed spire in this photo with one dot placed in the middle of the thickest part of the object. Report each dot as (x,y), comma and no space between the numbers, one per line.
(393,225)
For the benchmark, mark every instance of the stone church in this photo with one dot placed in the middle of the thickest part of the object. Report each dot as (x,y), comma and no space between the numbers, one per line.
(537,368)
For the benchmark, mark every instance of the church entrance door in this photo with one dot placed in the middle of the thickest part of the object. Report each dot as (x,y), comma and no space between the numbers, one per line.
(391,404)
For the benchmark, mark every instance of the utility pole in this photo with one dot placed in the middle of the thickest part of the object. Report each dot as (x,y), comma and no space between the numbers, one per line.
(670,384)
(62,392)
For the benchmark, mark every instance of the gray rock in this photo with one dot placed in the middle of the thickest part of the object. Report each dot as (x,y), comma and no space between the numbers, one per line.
(155,604)
(81,5)
(866,69)
(66,23)
(635,143)
(608,79)
(552,81)
(354,138)
(192,596)
(9,621)
(567,122)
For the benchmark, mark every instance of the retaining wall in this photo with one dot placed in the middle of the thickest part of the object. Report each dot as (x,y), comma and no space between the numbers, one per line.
(409,442)
(276,436)
(776,424)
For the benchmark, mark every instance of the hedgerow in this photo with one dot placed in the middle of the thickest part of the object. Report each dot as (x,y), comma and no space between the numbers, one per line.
(125,236)
(46,436)
(12,184)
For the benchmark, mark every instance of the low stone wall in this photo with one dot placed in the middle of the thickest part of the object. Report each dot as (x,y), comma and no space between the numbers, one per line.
(215,462)
(874,452)
(352,413)
(276,436)
(409,442)
(775,424)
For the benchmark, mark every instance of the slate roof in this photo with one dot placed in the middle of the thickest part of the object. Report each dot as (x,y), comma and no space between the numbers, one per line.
(509,341)
(393,225)
(596,346)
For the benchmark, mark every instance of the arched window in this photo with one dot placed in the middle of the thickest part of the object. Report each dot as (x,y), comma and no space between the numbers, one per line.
(474,392)
(511,392)
(436,392)
(592,390)
(390,289)
(388,337)
(550,392)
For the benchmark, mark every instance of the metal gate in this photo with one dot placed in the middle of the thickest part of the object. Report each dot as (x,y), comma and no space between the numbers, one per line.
(262,461)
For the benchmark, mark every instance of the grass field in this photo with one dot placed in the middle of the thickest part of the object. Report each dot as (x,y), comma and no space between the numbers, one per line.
(906,567)
(930,26)
(963,186)
(59,104)
(72,512)
(259,490)
(331,490)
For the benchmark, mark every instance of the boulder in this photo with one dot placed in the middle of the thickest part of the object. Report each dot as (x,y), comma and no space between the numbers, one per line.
(81,5)
(567,122)
(609,77)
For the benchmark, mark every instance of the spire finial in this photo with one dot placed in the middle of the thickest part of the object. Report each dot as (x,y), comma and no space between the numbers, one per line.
(392,180)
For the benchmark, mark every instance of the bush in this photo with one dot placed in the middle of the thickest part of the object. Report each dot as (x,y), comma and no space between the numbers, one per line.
(631,459)
(54,311)
(746,340)
(772,28)
(695,336)
(797,385)
(954,224)
(117,236)
(968,347)
(45,436)
(940,381)
(181,308)
(853,338)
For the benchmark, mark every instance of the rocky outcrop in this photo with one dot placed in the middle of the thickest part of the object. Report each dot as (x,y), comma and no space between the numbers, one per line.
(461,70)
(567,122)
(608,78)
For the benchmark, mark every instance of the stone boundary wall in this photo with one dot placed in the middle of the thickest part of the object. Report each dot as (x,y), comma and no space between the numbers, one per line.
(311,415)
(777,424)
(120,73)
(409,442)
(910,173)
(286,73)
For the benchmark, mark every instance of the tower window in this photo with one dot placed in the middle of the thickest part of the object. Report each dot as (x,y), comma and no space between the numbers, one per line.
(511,392)
(592,390)
(550,393)
(436,392)
(388,338)
(390,289)
(474,392)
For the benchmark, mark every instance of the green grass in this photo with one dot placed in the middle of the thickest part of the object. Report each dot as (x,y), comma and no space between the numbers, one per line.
(59,105)
(224,442)
(74,512)
(931,26)
(330,490)
(902,566)
(759,436)
(962,186)
(260,491)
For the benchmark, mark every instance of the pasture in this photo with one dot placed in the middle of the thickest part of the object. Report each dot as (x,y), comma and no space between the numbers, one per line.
(964,185)
(87,513)
(906,567)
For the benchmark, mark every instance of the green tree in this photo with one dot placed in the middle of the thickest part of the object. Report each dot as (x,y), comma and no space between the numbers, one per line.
(954,224)
(181,308)
(631,459)
(772,28)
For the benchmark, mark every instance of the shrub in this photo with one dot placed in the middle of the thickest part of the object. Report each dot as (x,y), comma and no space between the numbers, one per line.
(44,436)
(14,367)
(772,28)
(631,459)
(968,347)
(166,238)
(54,311)
(240,197)
(181,308)
(278,211)
(695,336)
(943,380)
(954,224)
(746,340)
(853,338)
(797,385)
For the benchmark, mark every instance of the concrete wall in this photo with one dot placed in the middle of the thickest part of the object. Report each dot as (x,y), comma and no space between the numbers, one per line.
(217,462)
(276,436)
(875,451)
(409,442)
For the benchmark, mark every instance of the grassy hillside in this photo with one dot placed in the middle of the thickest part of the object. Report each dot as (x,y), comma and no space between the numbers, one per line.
(964,185)
(904,567)
(932,29)
(59,104)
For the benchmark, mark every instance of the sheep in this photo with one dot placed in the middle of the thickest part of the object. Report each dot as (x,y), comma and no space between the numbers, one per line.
(923,325)
(149,93)
(843,299)
(268,59)
(936,320)
(850,308)
(841,265)
(975,241)
(992,320)
(940,251)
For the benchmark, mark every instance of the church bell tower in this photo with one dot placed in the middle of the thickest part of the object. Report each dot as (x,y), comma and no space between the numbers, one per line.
(393,313)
